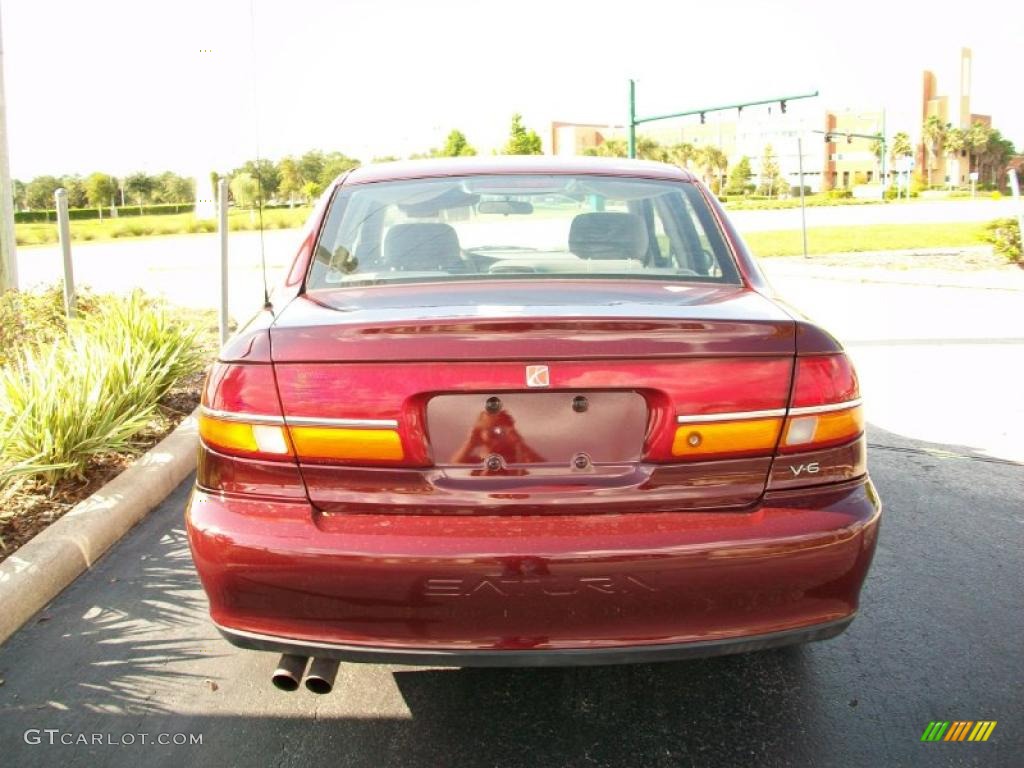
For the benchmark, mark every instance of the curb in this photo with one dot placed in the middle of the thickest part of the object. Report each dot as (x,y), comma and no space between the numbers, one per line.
(40,569)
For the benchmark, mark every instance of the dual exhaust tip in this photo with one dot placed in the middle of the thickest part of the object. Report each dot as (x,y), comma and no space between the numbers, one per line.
(291,669)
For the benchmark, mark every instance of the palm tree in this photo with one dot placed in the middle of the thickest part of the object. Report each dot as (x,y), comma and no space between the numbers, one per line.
(900,146)
(934,132)
(975,140)
(954,145)
(713,162)
(997,154)
(682,154)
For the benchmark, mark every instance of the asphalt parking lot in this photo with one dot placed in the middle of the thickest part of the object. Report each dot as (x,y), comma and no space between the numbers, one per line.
(127,649)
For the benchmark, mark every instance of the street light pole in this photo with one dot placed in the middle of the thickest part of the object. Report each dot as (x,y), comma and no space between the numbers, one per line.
(632,118)
(8,246)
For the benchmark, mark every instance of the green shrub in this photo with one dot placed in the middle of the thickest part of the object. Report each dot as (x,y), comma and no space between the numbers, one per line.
(92,388)
(82,214)
(1004,234)
(996,195)
(840,193)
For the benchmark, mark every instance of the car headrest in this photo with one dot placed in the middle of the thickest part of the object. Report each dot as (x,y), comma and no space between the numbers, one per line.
(422,247)
(606,235)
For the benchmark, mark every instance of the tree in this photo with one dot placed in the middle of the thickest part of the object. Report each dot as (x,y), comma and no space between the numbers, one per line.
(608,148)
(335,164)
(75,187)
(100,190)
(39,192)
(954,144)
(739,178)
(140,188)
(683,154)
(997,155)
(934,133)
(386,159)
(522,141)
(975,141)
(900,146)
(772,181)
(291,180)
(456,145)
(649,149)
(244,190)
(172,188)
(266,174)
(646,149)
(714,163)
(311,190)
(311,165)
(18,192)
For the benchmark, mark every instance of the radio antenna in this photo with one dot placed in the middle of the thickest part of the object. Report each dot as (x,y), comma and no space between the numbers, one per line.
(259,164)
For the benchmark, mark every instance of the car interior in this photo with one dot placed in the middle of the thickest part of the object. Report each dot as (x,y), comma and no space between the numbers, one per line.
(647,231)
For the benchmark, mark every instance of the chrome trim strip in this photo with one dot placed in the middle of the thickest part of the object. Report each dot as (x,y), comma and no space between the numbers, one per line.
(300,421)
(773,413)
(248,418)
(734,416)
(812,409)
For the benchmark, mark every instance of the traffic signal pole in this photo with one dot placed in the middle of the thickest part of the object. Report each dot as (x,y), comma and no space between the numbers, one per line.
(634,121)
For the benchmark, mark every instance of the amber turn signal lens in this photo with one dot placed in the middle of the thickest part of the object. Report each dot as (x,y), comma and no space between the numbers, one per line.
(347,444)
(726,437)
(240,437)
(823,428)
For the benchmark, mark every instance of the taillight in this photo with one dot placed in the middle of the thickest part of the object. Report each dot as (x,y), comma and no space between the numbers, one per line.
(242,416)
(245,444)
(825,408)
(727,434)
(823,437)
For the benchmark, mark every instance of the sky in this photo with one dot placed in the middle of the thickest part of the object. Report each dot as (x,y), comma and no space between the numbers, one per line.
(195,85)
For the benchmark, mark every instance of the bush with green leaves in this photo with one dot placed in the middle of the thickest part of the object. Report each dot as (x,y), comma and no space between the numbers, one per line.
(1004,234)
(91,389)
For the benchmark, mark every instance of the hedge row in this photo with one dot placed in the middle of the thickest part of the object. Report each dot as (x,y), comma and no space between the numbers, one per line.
(76,214)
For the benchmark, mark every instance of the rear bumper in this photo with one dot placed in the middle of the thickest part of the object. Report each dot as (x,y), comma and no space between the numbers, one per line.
(507,590)
(559,657)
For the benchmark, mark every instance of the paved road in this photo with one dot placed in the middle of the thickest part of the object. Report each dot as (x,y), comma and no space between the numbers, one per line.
(127,650)
(183,269)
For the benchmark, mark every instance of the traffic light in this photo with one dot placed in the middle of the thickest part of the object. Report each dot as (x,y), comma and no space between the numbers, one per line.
(702,118)
(849,139)
(782,106)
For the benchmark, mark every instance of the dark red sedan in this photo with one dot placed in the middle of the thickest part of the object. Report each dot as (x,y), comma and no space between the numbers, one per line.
(528,411)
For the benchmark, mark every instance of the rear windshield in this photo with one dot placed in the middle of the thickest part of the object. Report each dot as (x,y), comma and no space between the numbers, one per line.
(519,226)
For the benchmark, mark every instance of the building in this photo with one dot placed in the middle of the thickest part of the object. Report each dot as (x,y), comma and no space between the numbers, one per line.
(950,110)
(832,156)
(851,160)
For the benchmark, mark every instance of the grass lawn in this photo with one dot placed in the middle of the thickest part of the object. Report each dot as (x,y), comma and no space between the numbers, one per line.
(167,224)
(875,237)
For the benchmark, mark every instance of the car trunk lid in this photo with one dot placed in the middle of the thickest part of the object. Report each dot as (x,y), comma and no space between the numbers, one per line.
(531,396)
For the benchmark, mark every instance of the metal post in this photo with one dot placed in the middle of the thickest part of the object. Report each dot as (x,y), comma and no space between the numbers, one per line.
(632,118)
(8,244)
(885,179)
(222,198)
(803,205)
(64,232)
